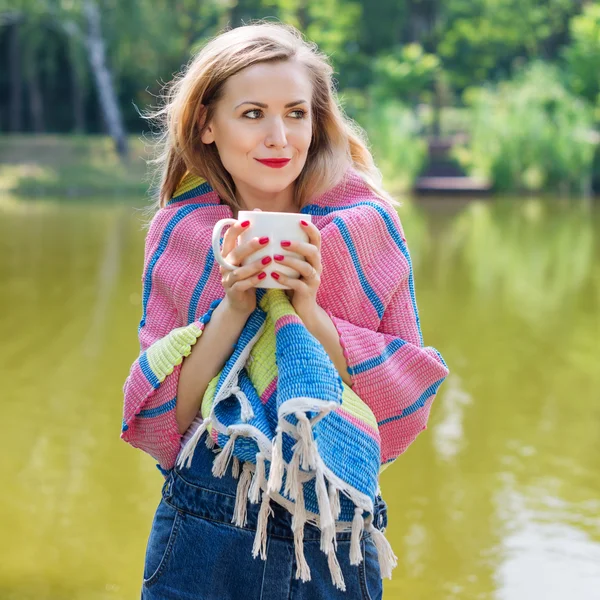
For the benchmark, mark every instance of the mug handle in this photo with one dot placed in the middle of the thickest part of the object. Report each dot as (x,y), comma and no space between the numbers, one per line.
(216,237)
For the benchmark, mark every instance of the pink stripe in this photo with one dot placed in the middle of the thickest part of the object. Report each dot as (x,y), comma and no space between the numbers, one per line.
(364,427)
(163,447)
(396,383)
(281,322)
(137,388)
(183,281)
(391,259)
(269,391)
(398,435)
(354,305)
(338,267)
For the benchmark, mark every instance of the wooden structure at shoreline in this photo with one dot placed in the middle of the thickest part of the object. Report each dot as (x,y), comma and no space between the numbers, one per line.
(443,175)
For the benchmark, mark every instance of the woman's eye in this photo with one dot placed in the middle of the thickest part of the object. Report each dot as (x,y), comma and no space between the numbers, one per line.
(249,112)
(301,112)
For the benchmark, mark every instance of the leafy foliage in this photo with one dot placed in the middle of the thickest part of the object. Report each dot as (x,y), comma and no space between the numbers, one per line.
(582,56)
(530,133)
(395,61)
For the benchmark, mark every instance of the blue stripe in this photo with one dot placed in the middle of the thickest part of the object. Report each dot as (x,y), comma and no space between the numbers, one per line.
(321,211)
(147,371)
(419,403)
(371,363)
(181,213)
(203,188)
(253,324)
(366,286)
(208,265)
(303,363)
(148,413)
(441,359)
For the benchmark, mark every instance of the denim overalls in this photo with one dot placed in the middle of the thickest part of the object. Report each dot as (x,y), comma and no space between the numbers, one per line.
(195,552)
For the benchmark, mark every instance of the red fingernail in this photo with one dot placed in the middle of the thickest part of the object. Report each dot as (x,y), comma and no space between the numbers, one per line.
(262,275)
(285,243)
(304,223)
(245,223)
(275,275)
(264,240)
(266,260)
(278,256)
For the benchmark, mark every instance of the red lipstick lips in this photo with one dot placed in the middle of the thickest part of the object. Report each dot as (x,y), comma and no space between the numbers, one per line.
(274,163)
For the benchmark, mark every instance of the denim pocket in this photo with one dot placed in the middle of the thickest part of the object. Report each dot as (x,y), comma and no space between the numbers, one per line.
(380,517)
(161,541)
(371,583)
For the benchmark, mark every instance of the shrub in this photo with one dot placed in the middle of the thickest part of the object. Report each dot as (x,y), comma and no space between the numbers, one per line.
(393,132)
(530,133)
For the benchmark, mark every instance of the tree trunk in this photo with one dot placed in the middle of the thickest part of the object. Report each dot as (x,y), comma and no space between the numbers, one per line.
(77,97)
(437,109)
(303,15)
(15,77)
(36,104)
(240,11)
(77,79)
(78,104)
(102,75)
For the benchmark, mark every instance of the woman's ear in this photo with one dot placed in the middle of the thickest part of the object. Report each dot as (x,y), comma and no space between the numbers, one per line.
(207,135)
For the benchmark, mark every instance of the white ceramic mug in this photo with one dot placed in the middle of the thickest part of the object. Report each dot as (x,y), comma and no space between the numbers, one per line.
(277,226)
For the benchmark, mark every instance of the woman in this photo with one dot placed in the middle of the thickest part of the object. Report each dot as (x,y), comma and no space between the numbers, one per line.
(254,94)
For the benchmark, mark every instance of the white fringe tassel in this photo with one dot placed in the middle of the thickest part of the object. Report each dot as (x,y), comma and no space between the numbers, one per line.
(387,559)
(293,487)
(307,442)
(210,443)
(358,524)
(277,464)
(336,571)
(246,408)
(260,539)
(184,459)
(235,469)
(222,460)
(326,521)
(241,497)
(298,521)
(334,500)
(258,480)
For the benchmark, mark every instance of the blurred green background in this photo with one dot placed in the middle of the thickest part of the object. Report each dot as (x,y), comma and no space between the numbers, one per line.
(483,116)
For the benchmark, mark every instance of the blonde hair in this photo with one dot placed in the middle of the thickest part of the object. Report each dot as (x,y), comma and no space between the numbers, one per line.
(337,141)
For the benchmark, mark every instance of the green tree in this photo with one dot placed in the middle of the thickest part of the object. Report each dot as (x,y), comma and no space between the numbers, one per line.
(405,73)
(482,40)
(530,133)
(582,56)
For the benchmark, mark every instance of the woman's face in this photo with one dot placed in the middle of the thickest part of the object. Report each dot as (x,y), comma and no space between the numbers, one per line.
(264,113)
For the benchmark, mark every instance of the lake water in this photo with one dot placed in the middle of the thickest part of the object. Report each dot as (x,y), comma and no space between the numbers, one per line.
(498,499)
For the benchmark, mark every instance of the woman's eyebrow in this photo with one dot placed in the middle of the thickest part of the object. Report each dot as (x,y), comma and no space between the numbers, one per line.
(262,105)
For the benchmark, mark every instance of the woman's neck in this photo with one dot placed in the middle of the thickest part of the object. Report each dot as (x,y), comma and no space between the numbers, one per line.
(253,199)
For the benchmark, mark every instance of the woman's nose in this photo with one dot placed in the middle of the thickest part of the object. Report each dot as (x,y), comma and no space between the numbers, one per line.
(276,135)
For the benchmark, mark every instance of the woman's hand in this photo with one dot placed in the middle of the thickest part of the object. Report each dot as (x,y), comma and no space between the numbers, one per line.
(303,292)
(239,284)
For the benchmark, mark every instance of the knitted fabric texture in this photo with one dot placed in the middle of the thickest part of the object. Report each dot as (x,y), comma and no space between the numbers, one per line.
(278,407)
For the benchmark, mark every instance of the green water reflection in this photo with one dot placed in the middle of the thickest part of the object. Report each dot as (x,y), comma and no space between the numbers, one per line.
(499,498)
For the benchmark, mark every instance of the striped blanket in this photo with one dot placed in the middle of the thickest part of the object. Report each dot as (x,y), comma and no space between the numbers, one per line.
(279,409)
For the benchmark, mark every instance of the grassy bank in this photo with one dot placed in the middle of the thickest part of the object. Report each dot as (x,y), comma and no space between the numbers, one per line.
(71,167)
